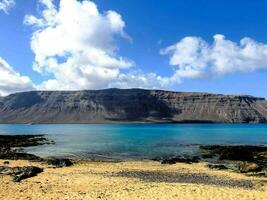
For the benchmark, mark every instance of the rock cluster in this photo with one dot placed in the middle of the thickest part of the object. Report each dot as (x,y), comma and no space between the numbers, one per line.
(9,151)
(10,146)
(246,159)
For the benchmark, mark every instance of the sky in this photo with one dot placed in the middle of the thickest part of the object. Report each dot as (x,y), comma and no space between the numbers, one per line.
(187,45)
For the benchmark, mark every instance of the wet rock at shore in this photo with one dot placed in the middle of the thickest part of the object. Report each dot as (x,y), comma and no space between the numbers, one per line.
(20,173)
(180,159)
(11,149)
(11,146)
(238,153)
(22,140)
(11,155)
(59,162)
(207,156)
(217,166)
(245,158)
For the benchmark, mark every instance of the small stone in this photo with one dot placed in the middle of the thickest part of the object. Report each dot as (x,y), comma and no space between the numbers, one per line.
(6,162)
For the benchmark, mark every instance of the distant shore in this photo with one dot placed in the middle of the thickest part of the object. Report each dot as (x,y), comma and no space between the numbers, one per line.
(130,105)
(132,122)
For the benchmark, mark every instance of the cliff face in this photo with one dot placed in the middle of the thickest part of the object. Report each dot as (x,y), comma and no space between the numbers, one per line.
(133,105)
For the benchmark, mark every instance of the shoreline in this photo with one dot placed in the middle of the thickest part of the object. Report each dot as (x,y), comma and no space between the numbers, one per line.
(240,158)
(27,176)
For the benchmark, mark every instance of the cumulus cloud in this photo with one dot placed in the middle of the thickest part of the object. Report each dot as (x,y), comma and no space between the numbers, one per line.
(138,79)
(193,57)
(5,5)
(76,44)
(11,81)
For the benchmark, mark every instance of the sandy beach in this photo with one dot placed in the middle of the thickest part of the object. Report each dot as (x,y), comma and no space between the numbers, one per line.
(132,180)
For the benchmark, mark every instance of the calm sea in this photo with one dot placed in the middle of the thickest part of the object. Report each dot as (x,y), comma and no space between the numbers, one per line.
(137,141)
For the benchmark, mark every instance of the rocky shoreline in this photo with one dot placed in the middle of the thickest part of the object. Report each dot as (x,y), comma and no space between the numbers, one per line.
(250,160)
(11,148)
(244,159)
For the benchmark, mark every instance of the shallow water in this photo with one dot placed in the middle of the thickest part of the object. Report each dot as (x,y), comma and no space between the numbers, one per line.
(136,141)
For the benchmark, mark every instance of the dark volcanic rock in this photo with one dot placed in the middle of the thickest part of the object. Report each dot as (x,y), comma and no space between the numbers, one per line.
(6,162)
(59,162)
(238,153)
(247,158)
(20,173)
(217,166)
(11,155)
(131,105)
(207,156)
(180,159)
(22,140)
(10,143)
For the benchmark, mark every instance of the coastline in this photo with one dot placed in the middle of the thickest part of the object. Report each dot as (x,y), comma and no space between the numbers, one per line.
(238,174)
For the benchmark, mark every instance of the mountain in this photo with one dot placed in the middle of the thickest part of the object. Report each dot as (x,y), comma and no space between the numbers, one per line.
(130,105)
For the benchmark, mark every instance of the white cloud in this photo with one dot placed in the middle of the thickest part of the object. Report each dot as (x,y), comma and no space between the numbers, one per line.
(5,5)
(138,79)
(192,57)
(76,44)
(11,81)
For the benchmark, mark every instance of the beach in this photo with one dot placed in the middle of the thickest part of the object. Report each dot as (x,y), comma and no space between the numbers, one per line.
(233,172)
(132,180)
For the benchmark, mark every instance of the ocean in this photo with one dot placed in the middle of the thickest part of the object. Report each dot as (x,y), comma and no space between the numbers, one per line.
(136,141)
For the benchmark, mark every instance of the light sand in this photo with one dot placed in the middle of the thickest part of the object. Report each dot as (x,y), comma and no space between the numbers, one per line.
(128,180)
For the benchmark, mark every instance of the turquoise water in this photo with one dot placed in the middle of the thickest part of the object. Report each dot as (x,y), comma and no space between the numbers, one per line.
(135,141)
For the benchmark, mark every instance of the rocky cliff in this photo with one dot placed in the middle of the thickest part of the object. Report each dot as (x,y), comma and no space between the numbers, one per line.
(132,105)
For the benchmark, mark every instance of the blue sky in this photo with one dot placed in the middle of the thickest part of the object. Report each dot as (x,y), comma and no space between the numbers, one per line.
(149,28)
